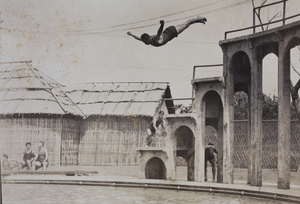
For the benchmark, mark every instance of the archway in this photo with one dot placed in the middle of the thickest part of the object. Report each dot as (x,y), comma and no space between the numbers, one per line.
(295,138)
(270,115)
(155,169)
(270,74)
(241,136)
(212,106)
(240,67)
(185,148)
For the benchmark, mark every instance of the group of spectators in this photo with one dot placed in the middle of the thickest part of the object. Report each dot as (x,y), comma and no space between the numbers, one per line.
(32,160)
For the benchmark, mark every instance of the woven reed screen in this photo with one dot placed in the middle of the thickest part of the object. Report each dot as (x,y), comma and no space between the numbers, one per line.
(114,140)
(270,143)
(16,132)
(70,142)
(111,140)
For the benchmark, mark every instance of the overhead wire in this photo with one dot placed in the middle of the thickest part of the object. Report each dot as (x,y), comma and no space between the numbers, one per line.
(83,31)
(138,27)
(169,21)
(149,19)
(110,66)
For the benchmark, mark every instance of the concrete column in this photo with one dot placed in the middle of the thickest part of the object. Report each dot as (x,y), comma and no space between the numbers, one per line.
(283,118)
(171,170)
(220,149)
(249,159)
(256,117)
(199,137)
(228,125)
(191,165)
(256,120)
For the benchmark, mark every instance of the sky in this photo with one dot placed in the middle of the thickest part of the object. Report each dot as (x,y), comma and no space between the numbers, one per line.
(75,41)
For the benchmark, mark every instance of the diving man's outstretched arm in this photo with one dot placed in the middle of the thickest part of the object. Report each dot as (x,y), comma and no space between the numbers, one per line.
(161,28)
(159,31)
(134,36)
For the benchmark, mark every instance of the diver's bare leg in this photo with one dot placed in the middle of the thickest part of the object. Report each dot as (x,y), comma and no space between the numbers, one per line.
(180,28)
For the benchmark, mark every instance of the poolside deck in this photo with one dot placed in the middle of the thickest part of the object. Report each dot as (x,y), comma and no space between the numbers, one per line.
(268,191)
(130,179)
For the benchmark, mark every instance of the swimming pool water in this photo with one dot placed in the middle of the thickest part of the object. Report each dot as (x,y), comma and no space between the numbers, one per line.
(41,193)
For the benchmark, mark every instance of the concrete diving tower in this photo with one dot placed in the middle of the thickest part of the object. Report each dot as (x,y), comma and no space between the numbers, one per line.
(242,61)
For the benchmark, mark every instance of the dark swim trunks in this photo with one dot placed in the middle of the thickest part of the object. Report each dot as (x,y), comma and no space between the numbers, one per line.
(170,33)
(157,123)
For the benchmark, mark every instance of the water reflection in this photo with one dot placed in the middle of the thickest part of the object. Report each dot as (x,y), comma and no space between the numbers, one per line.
(35,193)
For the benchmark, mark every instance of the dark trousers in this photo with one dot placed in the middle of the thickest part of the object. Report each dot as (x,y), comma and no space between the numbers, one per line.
(212,161)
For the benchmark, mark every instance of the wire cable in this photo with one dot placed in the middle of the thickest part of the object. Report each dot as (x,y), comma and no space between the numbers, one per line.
(169,21)
(83,32)
(146,20)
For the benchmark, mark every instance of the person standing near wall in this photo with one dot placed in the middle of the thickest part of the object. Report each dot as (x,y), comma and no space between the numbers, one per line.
(211,156)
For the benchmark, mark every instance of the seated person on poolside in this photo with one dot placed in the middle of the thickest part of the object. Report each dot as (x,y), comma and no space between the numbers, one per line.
(9,164)
(41,158)
(28,157)
(162,37)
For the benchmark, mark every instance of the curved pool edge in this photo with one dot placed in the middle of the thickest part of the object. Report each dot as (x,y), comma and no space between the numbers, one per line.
(230,189)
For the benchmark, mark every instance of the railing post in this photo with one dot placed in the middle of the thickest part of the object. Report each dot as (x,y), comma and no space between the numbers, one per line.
(253,20)
(0,183)
(194,70)
(283,15)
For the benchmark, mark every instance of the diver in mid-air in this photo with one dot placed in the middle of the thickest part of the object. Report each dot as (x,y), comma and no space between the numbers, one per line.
(164,36)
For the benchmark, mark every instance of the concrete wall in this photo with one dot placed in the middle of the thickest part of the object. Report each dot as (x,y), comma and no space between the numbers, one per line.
(256,46)
(210,108)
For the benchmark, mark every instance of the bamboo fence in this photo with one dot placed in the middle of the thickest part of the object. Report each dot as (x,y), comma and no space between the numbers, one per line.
(112,141)
(211,135)
(15,132)
(270,143)
(70,142)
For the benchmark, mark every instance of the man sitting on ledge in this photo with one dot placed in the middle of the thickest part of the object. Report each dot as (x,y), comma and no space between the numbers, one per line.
(28,157)
(41,158)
